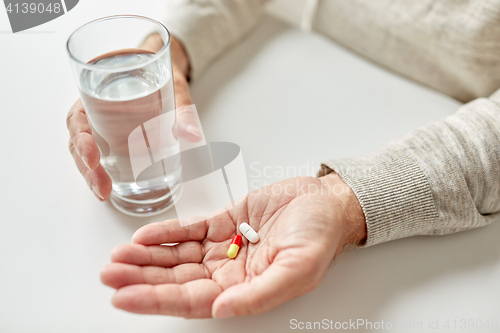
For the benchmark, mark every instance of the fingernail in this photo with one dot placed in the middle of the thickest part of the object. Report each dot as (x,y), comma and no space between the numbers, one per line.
(76,149)
(95,188)
(86,162)
(223,312)
(194,130)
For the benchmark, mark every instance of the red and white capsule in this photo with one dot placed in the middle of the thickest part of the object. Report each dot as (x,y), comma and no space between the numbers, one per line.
(232,252)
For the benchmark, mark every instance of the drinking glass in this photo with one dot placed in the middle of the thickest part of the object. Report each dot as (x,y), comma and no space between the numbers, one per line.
(128,96)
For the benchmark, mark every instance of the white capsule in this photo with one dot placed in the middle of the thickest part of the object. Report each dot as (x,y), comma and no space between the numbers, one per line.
(249,233)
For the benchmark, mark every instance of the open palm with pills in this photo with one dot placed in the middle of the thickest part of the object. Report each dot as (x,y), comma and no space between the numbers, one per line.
(303,224)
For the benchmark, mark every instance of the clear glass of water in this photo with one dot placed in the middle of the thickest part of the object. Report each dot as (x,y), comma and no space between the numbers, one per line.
(128,96)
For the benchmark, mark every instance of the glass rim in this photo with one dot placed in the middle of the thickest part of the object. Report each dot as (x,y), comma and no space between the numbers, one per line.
(155,57)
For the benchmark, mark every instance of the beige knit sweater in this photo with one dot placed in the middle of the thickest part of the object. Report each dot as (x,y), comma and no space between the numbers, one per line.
(439,179)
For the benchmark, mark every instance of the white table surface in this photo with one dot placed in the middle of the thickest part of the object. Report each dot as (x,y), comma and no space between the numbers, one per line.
(289,99)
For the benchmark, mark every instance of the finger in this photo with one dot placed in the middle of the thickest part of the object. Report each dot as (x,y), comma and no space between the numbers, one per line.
(153,42)
(169,231)
(182,92)
(191,300)
(98,179)
(81,136)
(117,275)
(186,120)
(280,282)
(162,255)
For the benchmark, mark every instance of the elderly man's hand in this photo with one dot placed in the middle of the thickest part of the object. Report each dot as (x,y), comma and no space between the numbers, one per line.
(303,224)
(82,145)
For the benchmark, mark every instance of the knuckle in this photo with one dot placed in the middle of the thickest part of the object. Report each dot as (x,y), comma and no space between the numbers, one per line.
(185,111)
(73,112)
(73,138)
(80,138)
(71,146)
(69,118)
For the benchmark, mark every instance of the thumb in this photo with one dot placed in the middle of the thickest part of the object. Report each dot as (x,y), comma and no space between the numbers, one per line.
(187,126)
(280,282)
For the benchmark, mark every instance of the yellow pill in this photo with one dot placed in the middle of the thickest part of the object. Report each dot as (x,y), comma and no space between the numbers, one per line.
(232,252)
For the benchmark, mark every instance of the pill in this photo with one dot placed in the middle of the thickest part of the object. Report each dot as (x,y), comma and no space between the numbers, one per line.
(249,233)
(232,252)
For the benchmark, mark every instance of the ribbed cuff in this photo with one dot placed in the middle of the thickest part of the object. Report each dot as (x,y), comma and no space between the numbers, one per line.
(393,192)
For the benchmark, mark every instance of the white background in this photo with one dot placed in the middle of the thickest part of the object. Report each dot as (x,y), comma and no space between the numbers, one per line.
(289,100)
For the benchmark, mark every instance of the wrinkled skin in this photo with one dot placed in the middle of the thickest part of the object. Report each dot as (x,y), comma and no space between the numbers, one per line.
(303,225)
